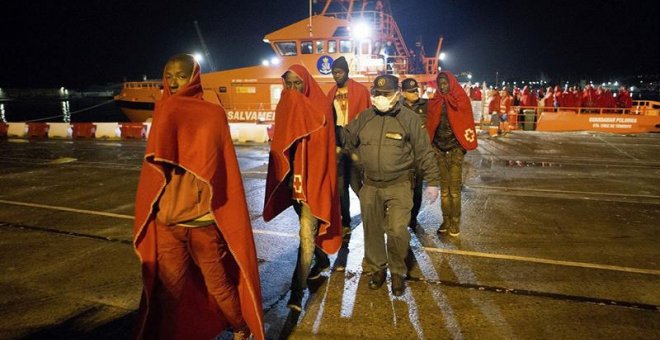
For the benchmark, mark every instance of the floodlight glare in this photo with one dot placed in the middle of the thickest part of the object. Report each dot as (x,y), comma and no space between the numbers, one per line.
(442,56)
(265,62)
(275,60)
(198,57)
(361,30)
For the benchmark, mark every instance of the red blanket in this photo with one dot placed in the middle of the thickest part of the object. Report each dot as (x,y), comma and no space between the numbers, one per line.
(306,121)
(459,111)
(194,134)
(359,98)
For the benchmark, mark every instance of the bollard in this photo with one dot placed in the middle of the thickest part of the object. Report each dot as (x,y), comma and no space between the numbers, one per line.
(37,130)
(132,131)
(83,130)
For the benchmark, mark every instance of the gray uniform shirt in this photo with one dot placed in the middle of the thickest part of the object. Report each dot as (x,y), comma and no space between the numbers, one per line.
(390,144)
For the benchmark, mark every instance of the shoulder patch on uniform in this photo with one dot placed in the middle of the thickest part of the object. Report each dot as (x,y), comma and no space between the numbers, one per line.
(393,135)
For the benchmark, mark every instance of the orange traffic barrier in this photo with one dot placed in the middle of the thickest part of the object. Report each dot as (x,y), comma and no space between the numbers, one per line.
(83,130)
(3,129)
(133,130)
(37,130)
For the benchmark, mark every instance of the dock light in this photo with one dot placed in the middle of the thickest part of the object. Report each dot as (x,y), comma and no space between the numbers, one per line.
(616,83)
(275,61)
(62,89)
(266,41)
(469,75)
(198,58)
(603,84)
(265,62)
(361,30)
(442,56)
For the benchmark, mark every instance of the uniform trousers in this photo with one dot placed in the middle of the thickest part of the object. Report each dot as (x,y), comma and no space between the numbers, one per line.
(386,211)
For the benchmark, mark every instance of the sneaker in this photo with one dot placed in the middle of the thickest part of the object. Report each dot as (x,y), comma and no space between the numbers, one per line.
(443,227)
(317,269)
(377,279)
(398,285)
(453,230)
(295,300)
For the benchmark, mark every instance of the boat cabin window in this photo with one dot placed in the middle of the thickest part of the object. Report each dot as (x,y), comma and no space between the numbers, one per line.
(332,46)
(345,46)
(319,47)
(286,48)
(306,47)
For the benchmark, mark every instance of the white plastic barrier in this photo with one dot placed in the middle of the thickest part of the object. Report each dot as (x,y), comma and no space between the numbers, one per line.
(234,131)
(17,130)
(108,130)
(250,132)
(148,125)
(59,130)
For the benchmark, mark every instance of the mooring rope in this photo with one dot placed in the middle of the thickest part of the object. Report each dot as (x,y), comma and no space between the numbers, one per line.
(73,112)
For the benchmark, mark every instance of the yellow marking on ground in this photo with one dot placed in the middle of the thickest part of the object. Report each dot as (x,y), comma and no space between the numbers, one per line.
(63,160)
(80,211)
(544,261)
(428,249)
(554,191)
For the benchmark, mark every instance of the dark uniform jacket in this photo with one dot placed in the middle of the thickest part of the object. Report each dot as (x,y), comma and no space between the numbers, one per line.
(390,144)
(419,107)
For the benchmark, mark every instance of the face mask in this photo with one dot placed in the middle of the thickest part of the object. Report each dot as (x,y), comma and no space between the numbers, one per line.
(384,104)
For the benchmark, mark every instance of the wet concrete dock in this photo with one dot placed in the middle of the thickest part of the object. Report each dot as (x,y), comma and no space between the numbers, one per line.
(559,240)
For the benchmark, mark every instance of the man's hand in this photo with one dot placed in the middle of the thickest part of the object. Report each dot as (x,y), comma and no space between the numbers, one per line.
(431,194)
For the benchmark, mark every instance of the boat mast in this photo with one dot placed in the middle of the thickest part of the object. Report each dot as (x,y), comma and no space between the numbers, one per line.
(207,54)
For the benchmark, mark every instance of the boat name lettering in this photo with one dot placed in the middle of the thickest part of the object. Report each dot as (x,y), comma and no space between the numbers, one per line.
(251,115)
(243,80)
(612,120)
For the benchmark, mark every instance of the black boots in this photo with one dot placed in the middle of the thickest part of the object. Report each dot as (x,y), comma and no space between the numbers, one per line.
(377,279)
(398,284)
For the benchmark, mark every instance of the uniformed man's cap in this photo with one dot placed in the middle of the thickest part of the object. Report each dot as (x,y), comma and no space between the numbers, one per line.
(385,83)
(409,84)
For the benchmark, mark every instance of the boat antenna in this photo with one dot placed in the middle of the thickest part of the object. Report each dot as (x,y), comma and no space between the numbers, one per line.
(309,26)
(207,54)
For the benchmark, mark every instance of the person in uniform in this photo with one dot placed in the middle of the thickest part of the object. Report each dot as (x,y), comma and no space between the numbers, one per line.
(390,140)
(450,126)
(302,173)
(192,227)
(347,99)
(412,101)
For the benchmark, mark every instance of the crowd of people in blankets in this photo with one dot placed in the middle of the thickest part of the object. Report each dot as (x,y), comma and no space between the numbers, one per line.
(550,98)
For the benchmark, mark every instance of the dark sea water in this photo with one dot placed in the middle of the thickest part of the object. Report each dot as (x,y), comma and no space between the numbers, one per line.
(61,110)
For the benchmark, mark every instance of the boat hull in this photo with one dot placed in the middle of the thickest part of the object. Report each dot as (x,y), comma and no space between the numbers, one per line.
(563,121)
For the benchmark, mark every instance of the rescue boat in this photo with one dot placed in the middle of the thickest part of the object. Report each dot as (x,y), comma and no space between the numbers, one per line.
(362,31)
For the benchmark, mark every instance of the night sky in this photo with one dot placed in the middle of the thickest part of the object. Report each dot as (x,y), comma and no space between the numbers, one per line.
(79,43)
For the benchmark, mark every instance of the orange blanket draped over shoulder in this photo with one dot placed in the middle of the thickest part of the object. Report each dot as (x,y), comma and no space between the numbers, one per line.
(459,111)
(359,98)
(194,134)
(304,119)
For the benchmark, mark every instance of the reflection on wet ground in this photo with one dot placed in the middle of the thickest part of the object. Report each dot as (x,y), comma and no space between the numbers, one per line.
(560,227)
